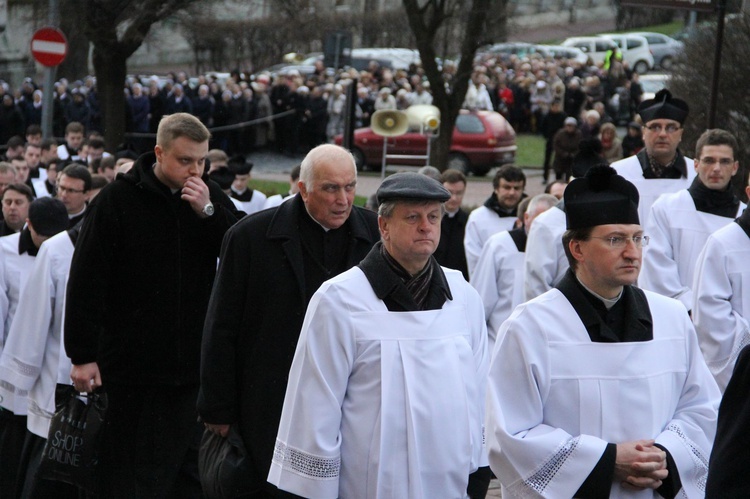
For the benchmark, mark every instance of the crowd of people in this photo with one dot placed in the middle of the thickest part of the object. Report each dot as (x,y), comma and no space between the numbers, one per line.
(576,343)
(295,112)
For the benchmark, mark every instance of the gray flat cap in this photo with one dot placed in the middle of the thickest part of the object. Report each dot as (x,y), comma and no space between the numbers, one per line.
(410,185)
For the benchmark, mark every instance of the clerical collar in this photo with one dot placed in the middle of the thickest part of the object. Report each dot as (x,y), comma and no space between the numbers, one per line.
(722,203)
(72,216)
(314,220)
(608,302)
(451,214)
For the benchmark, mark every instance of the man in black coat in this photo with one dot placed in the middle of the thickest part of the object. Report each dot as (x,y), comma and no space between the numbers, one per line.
(271,264)
(137,295)
(450,251)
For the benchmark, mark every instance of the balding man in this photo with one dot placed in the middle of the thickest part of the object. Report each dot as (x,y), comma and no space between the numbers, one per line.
(272,263)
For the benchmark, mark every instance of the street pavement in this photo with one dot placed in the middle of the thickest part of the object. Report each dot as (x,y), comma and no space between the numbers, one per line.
(477,190)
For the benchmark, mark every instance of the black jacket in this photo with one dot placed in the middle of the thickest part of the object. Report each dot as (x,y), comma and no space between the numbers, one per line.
(450,251)
(255,317)
(141,278)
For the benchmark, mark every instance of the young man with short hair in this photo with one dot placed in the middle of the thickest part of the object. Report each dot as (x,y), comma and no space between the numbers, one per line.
(73,141)
(137,295)
(680,223)
(497,214)
(73,187)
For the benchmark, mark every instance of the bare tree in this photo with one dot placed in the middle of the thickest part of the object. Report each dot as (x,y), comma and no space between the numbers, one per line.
(691,80)
(116,28)
(426,18)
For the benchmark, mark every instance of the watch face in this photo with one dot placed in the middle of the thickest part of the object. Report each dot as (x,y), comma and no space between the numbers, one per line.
(208,209)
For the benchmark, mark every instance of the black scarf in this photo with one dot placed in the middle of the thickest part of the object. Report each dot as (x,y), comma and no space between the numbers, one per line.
(519,237)
(722,203)
(677,168)
(493,204)
(418,285)
(744,221)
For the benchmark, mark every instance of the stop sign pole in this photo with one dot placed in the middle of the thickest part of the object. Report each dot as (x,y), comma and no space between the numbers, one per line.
(49,48)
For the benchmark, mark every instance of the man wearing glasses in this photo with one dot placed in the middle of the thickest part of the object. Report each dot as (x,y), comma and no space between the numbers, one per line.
(597,388)
(659,167)
(73,190)
(680,223)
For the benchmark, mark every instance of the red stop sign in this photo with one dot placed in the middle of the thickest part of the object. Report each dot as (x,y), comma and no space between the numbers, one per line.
(49,46)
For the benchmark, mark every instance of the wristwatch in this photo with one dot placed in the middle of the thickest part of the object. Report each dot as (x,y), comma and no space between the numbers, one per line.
(208,210)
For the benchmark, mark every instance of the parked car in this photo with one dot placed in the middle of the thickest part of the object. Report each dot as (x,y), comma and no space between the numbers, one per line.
(561,52)
(595,47)
(635,51)
(664,48)
(481,140)
(652,83)
(507,49)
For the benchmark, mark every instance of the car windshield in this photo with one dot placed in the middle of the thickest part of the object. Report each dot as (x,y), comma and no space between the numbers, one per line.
(653,86)
(469,123)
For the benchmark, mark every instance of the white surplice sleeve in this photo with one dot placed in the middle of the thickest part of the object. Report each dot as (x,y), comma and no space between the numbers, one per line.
(661,272)
(722,330)
(23,354)
(307,455)
(473,242)
(531,458)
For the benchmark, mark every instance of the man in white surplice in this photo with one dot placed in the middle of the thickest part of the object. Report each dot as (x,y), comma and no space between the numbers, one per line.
(386,390)
(499,277)
(681,222)
(721,297)
(659,167)
(597,388)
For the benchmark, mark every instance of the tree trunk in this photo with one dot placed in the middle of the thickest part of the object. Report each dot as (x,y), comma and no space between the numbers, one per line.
(76,63)
(111,69)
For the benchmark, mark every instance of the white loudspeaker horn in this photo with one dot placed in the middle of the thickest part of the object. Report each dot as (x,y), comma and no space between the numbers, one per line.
(387,123)
(293,58)
(423,117)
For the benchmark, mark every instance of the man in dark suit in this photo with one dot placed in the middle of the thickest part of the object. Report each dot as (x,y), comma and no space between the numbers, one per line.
(450,251)
(271,264)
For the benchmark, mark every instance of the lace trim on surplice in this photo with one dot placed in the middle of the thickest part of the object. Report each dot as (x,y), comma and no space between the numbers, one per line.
(305,464)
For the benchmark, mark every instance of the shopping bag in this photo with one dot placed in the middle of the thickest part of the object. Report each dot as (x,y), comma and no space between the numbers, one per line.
(71,453)
(225,468)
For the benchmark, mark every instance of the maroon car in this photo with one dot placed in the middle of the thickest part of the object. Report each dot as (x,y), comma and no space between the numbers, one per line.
(481,140)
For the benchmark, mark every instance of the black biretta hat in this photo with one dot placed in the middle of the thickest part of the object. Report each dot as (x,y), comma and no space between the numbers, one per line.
(410,185)
(601,197)
(663,106)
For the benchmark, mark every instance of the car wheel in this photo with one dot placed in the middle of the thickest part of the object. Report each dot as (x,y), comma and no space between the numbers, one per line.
(359,159)
(641,67)
(458,161)
(666,63)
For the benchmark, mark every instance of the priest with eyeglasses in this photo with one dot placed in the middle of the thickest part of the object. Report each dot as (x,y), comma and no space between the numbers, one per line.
(660,167)
(597,388)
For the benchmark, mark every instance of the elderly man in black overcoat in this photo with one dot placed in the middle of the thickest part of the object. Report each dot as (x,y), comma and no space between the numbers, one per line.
(271,264)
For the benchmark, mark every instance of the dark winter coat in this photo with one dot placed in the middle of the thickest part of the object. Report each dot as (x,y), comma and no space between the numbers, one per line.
(141,278)
(254,321)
